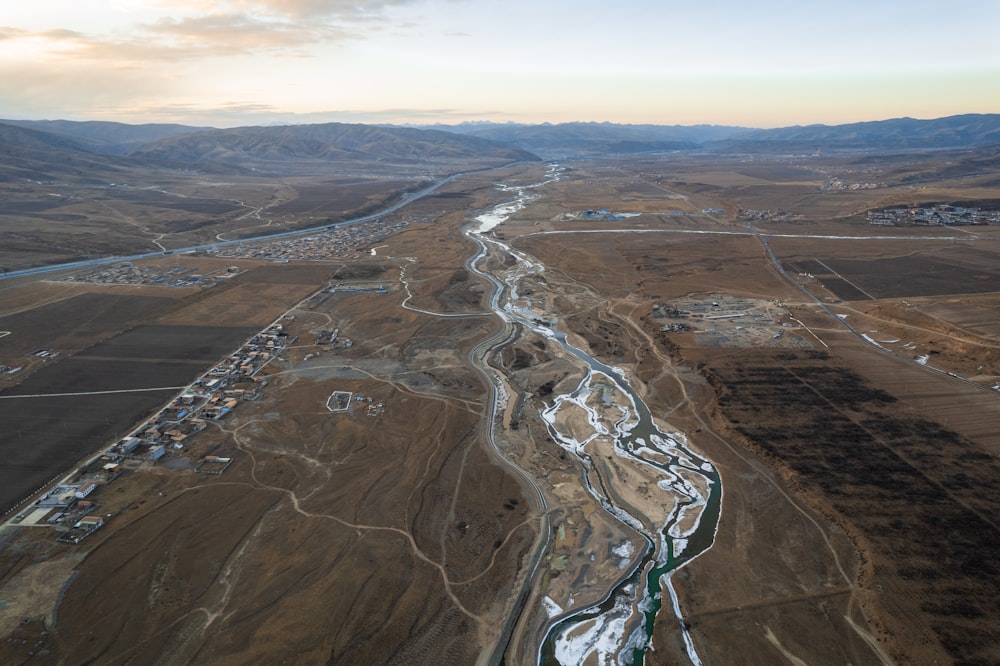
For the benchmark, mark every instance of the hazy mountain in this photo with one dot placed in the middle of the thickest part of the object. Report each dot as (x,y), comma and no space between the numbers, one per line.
(106,138)
(33,155)
(96,151)
(966,131)
(328,142)
(581,139)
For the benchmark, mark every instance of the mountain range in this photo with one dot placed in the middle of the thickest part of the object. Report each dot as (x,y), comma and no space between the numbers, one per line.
(579,139)
(42,150)
(965,131)
(45,149)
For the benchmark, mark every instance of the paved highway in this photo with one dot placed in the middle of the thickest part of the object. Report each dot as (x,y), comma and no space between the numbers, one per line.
(478,357)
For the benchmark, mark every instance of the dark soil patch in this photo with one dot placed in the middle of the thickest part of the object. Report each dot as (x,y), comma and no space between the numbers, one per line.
(317,274)
(177,343)
(902,277)
(62,325)
(924,498)
(844,290)
(42,437)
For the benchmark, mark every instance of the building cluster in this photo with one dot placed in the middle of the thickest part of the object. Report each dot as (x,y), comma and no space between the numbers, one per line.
(333,339)
(749,215)
(836,184)
(41,354)
(335,241)
(211,396)
(601,215)
(340,401)
(66,505)
(162,276)
(213,464)
(939,215)
(82,529)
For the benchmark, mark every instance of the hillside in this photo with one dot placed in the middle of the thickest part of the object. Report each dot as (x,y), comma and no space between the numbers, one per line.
(965,131)
(106,138)
(41,156)
(95,151)
(582,139)
(327,143)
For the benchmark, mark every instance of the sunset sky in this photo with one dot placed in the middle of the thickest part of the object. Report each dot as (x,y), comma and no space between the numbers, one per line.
(242,62)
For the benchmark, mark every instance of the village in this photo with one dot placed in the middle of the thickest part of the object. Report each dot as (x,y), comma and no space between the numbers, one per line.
(335,241)
(69,507)
(777,215)
(165,438)
(938,215)
(155,275)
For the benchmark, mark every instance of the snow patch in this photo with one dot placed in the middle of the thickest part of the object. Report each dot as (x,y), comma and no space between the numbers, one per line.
(870,340)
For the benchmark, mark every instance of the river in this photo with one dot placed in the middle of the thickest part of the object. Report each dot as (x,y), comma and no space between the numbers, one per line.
(619,629)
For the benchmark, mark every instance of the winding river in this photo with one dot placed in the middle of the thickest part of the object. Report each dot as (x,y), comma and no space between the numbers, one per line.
(618,629)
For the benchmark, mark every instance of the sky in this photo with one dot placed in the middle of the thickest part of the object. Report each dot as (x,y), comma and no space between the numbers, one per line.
(752,63)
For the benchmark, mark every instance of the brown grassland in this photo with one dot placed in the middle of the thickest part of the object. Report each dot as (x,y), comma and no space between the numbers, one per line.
(859,517)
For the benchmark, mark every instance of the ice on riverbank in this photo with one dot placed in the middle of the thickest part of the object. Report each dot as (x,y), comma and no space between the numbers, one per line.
(551,607)
(603,637)
(624,551)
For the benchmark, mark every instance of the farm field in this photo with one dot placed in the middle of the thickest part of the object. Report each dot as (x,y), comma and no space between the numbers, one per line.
(82,319)
(915,276)
(981,315)
(45,435)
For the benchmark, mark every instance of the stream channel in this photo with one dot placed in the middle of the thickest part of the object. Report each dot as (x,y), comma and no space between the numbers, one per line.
(619,628)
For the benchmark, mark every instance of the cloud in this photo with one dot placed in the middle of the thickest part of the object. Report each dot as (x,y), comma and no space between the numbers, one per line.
(237,114)
(71,90)
(232,34)
(8,32)
(197,28)
(299,9)
(286,8)
(172,39)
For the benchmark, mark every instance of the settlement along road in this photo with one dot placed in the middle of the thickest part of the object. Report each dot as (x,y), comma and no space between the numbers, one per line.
(405,201)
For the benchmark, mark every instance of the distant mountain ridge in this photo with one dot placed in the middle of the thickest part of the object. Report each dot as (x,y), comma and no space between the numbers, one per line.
(45,149)
(35,155)
(963,131)
(580,139)
(104,137)
(89,151)
(326,142)
(589,139)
